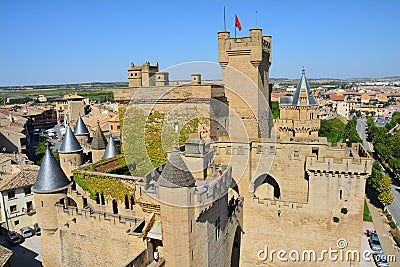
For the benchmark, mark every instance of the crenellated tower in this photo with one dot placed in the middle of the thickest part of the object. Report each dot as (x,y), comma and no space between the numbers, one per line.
(245,66)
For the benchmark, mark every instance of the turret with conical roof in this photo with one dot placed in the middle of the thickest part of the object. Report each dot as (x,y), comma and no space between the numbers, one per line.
(176,173)
(98,145)
(175,191)
(49,189)
(51,177)
(81,133)
(298,113)
(111,149)
(71,152)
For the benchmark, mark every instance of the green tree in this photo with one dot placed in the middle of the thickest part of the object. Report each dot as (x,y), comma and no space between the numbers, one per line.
(332,130)
(40,149)
(275,109)
(394,164)
(385,198)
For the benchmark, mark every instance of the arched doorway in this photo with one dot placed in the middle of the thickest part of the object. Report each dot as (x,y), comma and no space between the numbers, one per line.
(266,187)
(235,256)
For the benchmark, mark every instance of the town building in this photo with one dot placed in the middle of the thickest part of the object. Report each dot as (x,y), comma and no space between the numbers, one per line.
(70,106)
(18,208)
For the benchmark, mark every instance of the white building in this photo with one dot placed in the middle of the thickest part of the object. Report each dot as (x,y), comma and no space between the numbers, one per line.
(17,206)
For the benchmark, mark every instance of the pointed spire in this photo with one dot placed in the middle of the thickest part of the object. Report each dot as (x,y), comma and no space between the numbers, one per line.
(69,144)
(99,141)
(51,177)
(303,90)
(176,172)
(80,127)
(111,149)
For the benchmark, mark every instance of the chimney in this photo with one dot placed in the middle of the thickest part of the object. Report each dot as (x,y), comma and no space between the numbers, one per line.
(162,78)
(196,78)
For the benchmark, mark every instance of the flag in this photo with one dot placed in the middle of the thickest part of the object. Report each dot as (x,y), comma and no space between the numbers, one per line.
(237,23)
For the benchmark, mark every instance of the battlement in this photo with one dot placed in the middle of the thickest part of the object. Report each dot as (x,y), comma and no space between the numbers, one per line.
(254,46)
(142,75)
(73,213)
(205,192)
(280,204)
(232,45)
(345,165)
(217,187)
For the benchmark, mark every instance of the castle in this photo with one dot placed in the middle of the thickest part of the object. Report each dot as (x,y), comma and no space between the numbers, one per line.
(229,195)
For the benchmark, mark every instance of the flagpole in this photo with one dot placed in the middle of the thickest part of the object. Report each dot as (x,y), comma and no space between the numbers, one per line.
(256,19)
(224,20)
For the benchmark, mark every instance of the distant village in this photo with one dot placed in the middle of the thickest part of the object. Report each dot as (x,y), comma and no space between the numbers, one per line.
(376,98)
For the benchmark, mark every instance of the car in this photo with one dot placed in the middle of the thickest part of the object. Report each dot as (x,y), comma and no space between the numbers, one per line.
(37,230)
(13,238)
(26,232)
(380,259)
(374,243)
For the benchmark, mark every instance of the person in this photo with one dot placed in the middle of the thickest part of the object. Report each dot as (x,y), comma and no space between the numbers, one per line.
(237,201)
(206,186)
(232,204)
(156,255)
(219,174)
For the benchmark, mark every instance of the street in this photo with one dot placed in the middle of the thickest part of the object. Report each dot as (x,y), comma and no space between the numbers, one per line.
(29,253)
(394,208)
(361,126)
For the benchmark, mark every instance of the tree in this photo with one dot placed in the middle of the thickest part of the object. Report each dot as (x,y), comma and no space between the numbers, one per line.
(275,109)
(385,198)
(394,164)
(40,149)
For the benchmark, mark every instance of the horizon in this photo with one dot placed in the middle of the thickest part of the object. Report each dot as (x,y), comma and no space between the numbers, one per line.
(50,43)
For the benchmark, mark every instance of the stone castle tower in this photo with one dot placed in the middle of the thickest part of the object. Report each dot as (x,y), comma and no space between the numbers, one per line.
(99,144)
(299,113)
(111,149)
(82,134)
(71,152)
(49,189)
(197,228)
(245,66)
(141,75)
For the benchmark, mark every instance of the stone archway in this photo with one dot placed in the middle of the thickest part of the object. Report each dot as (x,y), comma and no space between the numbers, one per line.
(266,187)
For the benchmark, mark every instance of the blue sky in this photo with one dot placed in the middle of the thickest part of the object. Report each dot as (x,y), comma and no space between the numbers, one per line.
(52,42)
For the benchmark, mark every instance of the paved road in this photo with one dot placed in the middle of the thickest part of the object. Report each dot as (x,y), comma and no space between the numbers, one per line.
(29,253)
(387,242)
(394,208)
(361,132)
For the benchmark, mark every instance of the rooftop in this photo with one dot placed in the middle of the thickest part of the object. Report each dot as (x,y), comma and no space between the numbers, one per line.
(24,178)
(51,177)
(69,143)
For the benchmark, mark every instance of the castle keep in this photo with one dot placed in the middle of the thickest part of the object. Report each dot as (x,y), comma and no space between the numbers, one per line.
(222,195)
